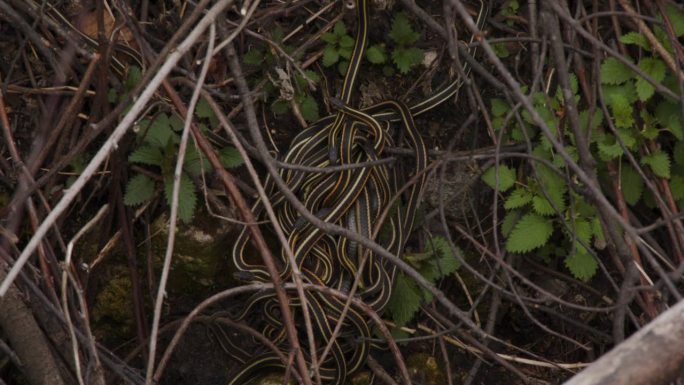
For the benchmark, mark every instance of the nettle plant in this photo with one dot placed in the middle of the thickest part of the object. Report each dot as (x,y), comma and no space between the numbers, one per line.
(155,154)
(279,89)
(402,38)
(645,126)
(436,262)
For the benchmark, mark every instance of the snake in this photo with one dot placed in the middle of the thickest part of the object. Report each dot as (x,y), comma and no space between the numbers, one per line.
(353,198)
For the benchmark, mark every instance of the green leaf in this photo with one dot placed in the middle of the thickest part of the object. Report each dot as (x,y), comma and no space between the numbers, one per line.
(581,264)
(609,148)
(203,109)
(147,155)
(309,108)
(622,110)
(554,186)
(345,53)
(159,132)
(342,67)
(443,261)
(501,50)
(678,153)
(230,157)
(659,162)
(631,184)
(330,38)
(542,206)
(401,31)
(581,230)
(506,177)
(677,187)
(406,58)
(346,41)
(499,107)
(405,300)
(676,16)
(637,39)
(187,197)
(139,189)
(340,29)
(509,221)
(518,198)
(668,114)
(279,107)
(253,57)
(532,231)
(656,69)
(194,163)
(330,56)
(614,72)
(376,54)
(133,79)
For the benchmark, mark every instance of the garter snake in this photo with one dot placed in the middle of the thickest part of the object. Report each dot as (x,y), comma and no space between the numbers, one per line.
(352,198)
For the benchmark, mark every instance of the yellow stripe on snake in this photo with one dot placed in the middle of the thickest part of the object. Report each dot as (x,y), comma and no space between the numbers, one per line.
(353,198)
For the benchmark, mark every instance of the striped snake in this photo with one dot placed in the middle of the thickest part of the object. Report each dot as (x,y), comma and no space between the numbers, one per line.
(353,198)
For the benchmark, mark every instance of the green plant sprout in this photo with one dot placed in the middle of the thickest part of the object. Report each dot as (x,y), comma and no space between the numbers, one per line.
(437,262)
(263,61)
(539,205)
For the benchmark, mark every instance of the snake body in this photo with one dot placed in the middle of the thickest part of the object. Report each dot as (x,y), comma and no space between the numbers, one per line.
(354,198)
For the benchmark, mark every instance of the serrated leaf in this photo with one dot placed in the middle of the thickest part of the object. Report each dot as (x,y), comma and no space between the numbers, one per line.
(309,108)
(582,230)
(554,186)
(506,177)
(615,72)
(342,67)
(631,184)
(147,155)
(407,58)
(581,264)
(508,222)
(656,69)
(133,78)
(346,41)
(187,197)
(330,38)
(518,198)
(637,39)
(501,50)
(542,206)
(442,262)
(376,54)
(139,189)
(159,132)
(340,29)
(203,109)
(622,110)
(253,57)
(401,31)
(279,107)
(532,231)
(405,300)
(668,114)
(659,162)
(499,107)
(230,157)
(194,163)
(678,153)
(677,187)
(345,53)
(330,56)
(608,147)
(676,17)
